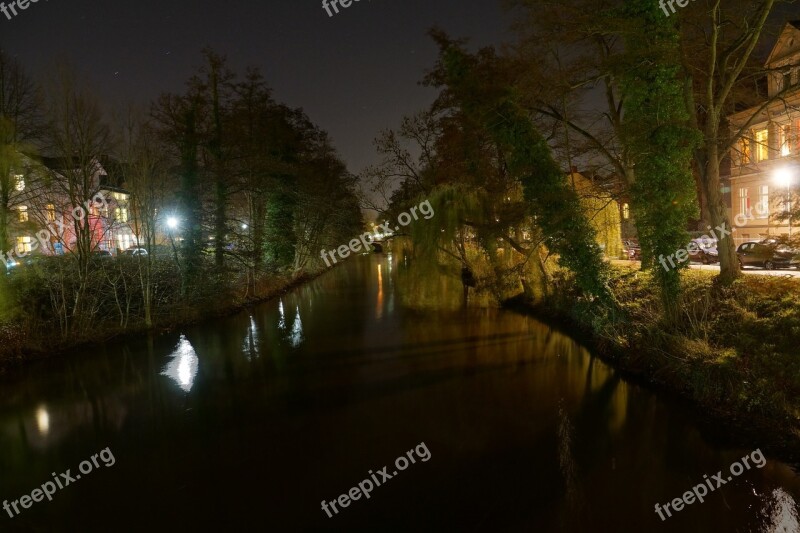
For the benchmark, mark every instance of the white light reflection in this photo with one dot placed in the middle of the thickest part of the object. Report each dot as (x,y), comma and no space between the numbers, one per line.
(250,344)
(282,321)
(43,420)
(297,330)
(183,367)
(781,513)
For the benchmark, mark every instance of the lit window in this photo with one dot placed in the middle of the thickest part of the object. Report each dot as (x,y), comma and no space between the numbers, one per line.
(762,145)
(50,212)
(120,197)
(23,245)
(124,241)
(121,214)
(745,155)
(786,133)
(23,213)
(626,211)
(762,208)
(744,201)
(19,182)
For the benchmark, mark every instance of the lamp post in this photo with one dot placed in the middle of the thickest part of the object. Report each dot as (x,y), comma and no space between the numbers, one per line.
(172,225)
(783,177)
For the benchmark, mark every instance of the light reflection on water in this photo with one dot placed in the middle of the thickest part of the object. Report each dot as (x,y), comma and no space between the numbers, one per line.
(43,420)
(781,513)
(252,341)
(527,430)
(183,366)
(297,329)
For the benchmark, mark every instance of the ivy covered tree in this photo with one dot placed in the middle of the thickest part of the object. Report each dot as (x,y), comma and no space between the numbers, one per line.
(661,141)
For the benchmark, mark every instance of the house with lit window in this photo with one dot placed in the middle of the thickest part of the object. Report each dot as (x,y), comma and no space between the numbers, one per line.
(604,212)
(765,162)
(40,201)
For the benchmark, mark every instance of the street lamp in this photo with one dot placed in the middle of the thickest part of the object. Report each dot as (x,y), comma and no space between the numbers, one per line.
(783,177)
(172,224)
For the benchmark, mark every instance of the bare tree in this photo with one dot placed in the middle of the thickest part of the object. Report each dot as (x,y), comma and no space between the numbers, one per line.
(77,138)
(20,125)
(147,178)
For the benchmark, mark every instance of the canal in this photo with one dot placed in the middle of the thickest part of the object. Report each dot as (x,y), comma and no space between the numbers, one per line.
(249,422)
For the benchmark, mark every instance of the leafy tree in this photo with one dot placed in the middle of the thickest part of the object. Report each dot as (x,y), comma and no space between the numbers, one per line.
(525,154)
(660,140)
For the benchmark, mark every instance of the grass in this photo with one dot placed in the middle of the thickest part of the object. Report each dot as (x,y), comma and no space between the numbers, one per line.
(735,353)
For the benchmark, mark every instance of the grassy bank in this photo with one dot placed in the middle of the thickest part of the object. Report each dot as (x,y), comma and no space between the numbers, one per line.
(737,353)
(39,316)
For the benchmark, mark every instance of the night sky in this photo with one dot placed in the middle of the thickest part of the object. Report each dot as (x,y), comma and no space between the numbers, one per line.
(354,73)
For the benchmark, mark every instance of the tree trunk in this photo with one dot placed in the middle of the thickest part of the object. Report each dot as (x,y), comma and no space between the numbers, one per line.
(726,247)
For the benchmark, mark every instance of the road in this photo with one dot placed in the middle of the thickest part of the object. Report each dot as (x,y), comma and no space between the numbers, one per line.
(793,273)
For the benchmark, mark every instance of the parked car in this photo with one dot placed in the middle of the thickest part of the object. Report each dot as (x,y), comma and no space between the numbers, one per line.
(135,251)
(769,255)
(101,253)
(632,250)
(704,251)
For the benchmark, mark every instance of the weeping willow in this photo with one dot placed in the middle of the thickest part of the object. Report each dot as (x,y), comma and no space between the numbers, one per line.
(554,213)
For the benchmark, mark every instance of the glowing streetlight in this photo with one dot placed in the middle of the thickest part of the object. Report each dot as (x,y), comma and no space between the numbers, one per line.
(172,223)
(244,226)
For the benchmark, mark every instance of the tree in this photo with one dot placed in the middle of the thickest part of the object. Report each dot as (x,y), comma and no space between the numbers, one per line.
(717,48)
(147,178)
(176,123)
(487,115)
(78,138)
(20,126)
(660,141)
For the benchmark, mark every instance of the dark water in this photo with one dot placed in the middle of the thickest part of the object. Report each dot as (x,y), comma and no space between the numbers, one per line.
(248,423)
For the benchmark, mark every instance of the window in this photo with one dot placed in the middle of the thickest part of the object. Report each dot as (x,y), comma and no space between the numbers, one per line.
(19,182)
(787,80)
(121,214)
(762,145)
(626,211)
(50,212)
(23,245)
(744,201)
(124,241)
(786,135)
(120,197)
(23,213)
(745,154)
(762,207)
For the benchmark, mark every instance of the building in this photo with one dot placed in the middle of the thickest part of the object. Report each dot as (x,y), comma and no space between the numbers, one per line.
(765,162)
(604,212)
(41,200)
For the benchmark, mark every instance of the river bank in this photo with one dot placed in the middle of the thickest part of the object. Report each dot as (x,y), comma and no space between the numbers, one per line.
(21,342)
(736,357)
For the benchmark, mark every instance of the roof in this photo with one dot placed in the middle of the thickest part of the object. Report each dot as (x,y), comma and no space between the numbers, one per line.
(787,43)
